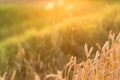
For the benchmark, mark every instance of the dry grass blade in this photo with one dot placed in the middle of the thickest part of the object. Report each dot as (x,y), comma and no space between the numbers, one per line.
(99,47)
(13,75)
(106,46)
(36,76)
(4,75)
(90,51)
(51,76)
(1,78)
(86,50)
(112,36)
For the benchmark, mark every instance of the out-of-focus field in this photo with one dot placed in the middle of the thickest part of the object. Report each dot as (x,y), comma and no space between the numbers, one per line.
(50,35)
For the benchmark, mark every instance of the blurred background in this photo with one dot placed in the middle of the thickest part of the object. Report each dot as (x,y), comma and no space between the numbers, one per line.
(39,36)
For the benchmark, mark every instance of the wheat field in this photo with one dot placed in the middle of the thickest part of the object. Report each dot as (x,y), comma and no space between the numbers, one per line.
(37,40)
(104,66)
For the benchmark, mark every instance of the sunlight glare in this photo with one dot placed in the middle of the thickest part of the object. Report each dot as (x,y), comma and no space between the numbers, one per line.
(50,5)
